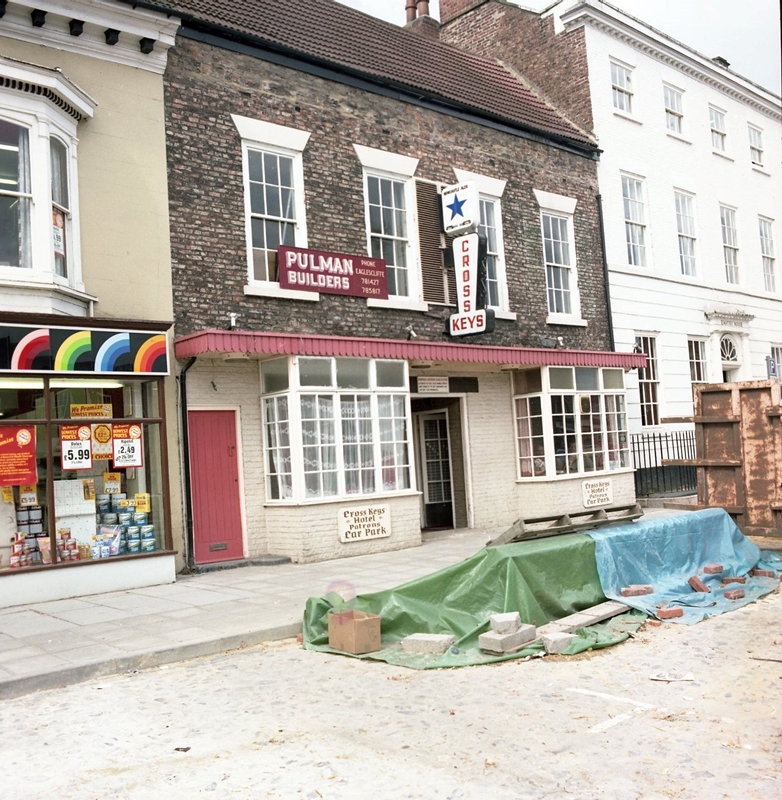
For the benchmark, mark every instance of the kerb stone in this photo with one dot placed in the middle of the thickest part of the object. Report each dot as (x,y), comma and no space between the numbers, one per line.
(494,642)
(436,643)
(505,623)
(557,642)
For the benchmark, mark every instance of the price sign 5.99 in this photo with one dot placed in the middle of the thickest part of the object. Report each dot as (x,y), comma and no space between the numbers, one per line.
(127,446)
(76,447)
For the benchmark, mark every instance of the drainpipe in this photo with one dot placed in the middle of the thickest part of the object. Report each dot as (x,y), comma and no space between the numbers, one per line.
(410,10)
(183,426)
(611,339)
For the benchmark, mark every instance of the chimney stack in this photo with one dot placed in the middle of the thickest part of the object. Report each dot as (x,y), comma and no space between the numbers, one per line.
(410,10)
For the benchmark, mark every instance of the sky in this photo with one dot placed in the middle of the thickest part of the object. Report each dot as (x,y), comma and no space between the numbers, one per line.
(746,34)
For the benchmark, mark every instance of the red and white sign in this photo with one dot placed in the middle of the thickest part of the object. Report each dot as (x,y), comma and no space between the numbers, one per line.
(465,261)
(332,273)
(76,447)
(17,456)
(126,441)
(463,324)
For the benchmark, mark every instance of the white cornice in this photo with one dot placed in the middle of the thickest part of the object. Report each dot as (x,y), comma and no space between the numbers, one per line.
(133,25)
(657,45)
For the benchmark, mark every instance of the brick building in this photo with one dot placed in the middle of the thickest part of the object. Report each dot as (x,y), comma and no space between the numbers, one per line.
(690,184)
(325,417)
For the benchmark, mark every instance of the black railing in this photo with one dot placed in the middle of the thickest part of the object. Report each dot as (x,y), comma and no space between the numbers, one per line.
(651,477)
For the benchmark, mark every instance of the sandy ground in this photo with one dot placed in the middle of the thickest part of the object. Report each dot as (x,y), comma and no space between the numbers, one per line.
(277,721)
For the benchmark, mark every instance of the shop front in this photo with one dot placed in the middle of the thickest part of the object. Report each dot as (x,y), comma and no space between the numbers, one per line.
(83,458)
(332,446)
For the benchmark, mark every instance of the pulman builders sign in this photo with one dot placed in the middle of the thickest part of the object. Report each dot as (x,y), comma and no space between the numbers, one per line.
(333,273)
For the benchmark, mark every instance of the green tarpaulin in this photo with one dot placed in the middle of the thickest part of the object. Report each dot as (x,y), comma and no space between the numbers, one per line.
(543,580)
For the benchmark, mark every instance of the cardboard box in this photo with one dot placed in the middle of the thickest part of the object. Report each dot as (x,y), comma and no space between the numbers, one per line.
(354,632)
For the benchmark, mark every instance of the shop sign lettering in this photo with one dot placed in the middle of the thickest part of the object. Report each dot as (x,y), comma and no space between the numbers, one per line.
(17,455)
(359,524)
(332,273)
(597,492)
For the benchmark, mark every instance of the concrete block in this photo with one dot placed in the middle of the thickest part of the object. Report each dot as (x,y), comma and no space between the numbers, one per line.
(505,623)
(713,569)
(636,590)
(436,643)
(669,613)
(506,642)
(557,642)
(698,585)
(734,594)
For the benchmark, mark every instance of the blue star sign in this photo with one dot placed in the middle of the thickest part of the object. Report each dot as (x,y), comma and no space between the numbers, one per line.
(456,206)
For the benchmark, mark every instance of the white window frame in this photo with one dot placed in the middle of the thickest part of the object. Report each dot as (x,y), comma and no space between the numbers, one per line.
(776,354)
(673,100)
(622,87)
(755,135)
(767,253)
(588,440)
(261,136)
(684,203)
(634,209)
(393,166)
(491,190)
(696,355)
(719,129)
(44,120)
(294,478)
(730,243)
(562,207)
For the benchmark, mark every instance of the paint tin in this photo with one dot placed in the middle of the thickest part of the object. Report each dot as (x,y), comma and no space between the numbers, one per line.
(22,516)
(95,550)
(105,550)
(24,529)
(109,519)
(103,508)
(140,518)
(116,500)
(134,546)
(147,545)
(16,562)
(36,529)
(124,518)
(36,514)
(133,532)
(148,532)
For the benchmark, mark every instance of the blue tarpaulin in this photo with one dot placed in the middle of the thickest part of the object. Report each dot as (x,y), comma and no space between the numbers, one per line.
(665,552)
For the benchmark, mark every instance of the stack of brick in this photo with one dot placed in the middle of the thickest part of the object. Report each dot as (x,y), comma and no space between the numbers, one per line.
(507,634)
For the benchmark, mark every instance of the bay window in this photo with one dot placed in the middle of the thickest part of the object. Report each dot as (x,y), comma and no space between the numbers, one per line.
(335,427)
(570,421)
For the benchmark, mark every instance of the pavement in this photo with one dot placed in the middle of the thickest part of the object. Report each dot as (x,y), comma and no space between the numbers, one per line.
(54,644)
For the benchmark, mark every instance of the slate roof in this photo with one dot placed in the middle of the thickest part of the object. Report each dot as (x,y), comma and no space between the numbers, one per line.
(333,35)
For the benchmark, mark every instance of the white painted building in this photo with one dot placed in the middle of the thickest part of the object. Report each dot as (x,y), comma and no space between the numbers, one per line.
(691,192)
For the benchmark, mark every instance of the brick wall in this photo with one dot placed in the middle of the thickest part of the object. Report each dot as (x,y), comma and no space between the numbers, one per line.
(555,64)
(205,85)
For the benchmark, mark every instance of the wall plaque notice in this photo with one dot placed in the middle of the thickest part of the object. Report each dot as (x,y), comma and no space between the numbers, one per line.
(597,493)
(358,524)
(432,384)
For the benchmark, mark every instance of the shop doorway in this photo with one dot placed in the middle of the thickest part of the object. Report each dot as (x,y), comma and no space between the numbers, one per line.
(436,470)
(214,486)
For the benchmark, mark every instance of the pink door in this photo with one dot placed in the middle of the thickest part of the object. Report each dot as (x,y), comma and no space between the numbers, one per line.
(214,486)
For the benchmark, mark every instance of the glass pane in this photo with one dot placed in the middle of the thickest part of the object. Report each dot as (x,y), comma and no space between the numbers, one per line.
(613,379)
(255,165)
(59,157)
(274,375)
(286,171)
(586,378)
(390,373)
(561,377)
(257,199)
(352,373)
(373,189)
(21,398)
(315,372)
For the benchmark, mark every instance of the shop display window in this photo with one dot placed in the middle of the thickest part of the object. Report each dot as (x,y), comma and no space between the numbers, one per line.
(82,470)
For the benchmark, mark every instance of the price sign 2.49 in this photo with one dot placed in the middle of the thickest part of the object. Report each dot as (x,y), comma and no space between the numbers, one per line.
(76,447)
(127,446)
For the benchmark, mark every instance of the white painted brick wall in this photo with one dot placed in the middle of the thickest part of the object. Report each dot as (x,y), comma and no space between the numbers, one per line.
(566,496)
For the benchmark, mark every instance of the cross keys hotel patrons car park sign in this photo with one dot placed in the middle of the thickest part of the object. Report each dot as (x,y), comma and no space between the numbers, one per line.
(461,214)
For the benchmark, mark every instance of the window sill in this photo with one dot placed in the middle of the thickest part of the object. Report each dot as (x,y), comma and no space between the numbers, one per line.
(566,319)
(575,476)
(353,498)
(400,303)
(628,117)
(274,290)
(722,154)
(500,313)
(678,137)
(760,170)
